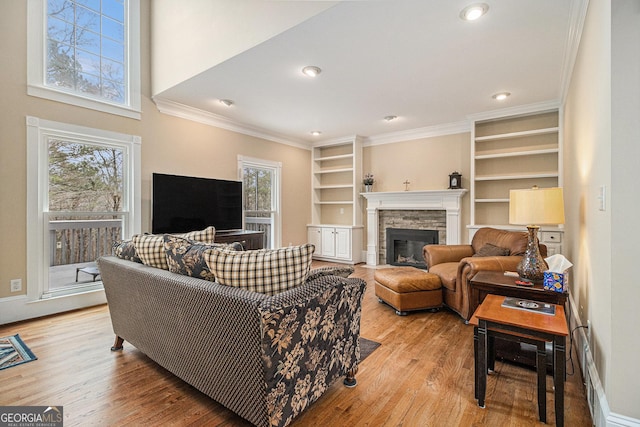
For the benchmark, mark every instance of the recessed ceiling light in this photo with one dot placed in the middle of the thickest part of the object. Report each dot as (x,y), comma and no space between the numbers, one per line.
(311,70)
(390,118)
(316,133)
(226,102)
(474,11)
(501,96)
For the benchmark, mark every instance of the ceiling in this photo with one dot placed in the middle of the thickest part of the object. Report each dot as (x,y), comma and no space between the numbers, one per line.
(417,60)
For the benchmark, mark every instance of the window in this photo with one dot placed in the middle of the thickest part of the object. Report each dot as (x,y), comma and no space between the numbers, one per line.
(82,196)
(86,53)
(261,198)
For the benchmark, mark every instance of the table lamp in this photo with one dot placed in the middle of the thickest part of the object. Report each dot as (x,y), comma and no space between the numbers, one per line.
(535,207)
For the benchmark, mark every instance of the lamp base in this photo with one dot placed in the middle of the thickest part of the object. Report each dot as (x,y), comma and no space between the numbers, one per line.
(532,266)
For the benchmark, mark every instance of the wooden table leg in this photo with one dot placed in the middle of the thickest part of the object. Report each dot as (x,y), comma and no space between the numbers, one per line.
(481,364)
(475,361)
(541,368)
(559,343)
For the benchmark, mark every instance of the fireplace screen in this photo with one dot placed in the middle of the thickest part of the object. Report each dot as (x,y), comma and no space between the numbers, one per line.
(404,246)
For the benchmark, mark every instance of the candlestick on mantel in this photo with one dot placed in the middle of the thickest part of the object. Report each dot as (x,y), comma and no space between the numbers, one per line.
(406,185)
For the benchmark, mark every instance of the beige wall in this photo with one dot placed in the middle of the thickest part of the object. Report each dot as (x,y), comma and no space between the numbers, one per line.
(426,163)
(169,145)
(601,148)
(588,166)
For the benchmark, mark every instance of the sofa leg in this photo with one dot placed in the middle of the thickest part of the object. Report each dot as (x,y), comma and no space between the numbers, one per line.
(350,379)
(117,345)
(401,313)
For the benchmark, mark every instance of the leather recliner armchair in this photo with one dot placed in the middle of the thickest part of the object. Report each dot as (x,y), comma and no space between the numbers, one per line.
(457,264)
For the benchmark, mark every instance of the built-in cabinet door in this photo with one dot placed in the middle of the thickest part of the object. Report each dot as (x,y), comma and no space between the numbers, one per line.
(342,243)
(315,238)
(328,242)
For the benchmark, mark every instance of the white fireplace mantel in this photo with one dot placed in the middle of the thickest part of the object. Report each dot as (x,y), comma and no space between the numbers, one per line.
(447,200)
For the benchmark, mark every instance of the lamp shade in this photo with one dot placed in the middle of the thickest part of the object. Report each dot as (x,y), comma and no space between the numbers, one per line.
(536,206)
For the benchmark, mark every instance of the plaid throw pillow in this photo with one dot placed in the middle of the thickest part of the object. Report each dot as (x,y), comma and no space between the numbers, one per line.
(266,271)
(150,247)
(185,256)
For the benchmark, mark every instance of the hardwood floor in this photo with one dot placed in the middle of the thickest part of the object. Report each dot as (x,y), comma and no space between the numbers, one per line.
(421,375)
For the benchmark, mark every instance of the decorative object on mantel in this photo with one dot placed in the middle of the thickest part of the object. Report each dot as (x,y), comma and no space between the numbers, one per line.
(455,180)
(368,182)
(406,185)
(539,206)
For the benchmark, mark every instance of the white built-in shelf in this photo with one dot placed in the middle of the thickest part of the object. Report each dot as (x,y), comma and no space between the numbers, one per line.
(517,176)
(337,170)
(341,156)
(521,134)
(497,155)
(510,152)
(492,200)
(328,187)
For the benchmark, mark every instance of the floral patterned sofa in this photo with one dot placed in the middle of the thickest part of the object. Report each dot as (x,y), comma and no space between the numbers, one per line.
(267,358)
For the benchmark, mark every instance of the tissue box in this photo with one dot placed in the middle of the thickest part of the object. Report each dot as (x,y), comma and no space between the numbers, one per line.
(558,282)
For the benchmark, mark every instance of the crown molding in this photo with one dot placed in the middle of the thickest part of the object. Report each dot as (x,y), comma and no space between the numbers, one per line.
(521,110)
(338,141)
(418,133)
(577,16)
(176,109)
(172,108)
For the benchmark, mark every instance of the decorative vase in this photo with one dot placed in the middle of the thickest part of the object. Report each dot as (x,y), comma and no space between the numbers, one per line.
(368,188)
(532,265)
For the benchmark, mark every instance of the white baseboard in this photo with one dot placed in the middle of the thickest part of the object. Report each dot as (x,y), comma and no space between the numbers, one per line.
(14,309)
(596,397)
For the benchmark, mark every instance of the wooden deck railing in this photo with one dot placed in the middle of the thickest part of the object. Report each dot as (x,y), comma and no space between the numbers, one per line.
(77,241)
(260,224)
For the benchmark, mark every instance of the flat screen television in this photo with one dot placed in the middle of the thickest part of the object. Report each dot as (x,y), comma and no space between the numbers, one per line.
(183,203)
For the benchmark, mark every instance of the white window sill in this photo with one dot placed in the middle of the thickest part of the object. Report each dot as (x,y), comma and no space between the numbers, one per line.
(68,98)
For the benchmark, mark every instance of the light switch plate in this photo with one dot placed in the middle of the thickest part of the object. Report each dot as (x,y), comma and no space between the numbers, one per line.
(602,198)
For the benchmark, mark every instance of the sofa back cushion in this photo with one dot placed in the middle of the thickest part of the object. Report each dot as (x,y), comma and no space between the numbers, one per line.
(267,271)
(150,247)
(514,241)
(185,256)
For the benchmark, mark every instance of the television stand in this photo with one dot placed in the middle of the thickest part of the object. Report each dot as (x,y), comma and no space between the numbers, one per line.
(249,239)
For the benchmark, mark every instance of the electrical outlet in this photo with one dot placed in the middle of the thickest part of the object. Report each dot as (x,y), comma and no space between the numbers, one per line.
(16,285)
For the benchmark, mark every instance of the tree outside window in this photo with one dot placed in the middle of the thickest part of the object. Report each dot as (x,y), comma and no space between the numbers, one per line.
(86,47)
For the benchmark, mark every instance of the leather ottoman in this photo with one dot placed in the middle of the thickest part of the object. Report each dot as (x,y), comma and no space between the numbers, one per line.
(408,289)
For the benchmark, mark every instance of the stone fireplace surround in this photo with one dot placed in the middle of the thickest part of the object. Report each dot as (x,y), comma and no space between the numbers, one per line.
(449,201)
(390,221)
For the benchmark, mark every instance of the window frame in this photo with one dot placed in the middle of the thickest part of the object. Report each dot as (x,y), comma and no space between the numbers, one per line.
(276,192)
(36,64)
(38,133)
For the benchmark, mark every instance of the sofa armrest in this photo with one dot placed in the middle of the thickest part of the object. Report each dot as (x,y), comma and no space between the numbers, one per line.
(438,254)
(310,338)
(330,270)
(468,268)
(471,265)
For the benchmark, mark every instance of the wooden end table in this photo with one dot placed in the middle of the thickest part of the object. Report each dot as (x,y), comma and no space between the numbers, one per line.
(492,320)
(496,283)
